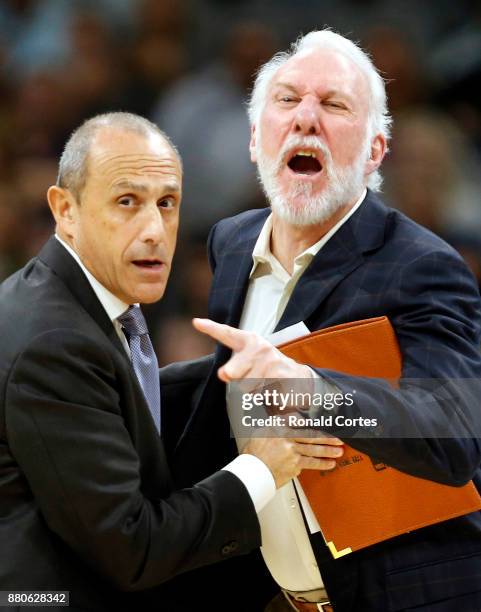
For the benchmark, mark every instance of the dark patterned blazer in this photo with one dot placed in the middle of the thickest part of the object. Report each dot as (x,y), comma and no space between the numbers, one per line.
(87,503)
(378,263)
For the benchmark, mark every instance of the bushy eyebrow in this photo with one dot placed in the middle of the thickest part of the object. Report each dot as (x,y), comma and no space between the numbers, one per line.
(288,86)
(172,187)
(329,94)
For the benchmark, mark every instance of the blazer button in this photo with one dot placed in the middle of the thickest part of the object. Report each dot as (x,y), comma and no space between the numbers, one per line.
(229,548)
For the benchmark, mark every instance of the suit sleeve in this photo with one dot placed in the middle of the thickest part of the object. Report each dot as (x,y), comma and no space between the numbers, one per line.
(181,386)
(66,430)
(431,423)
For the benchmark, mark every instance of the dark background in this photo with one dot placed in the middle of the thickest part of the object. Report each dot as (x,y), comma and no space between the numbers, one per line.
(188,65)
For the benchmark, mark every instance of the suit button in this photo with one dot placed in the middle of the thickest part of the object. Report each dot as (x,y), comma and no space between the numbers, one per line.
(229,548)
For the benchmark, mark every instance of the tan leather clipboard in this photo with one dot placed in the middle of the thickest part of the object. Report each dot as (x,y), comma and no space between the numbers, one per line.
(362,502)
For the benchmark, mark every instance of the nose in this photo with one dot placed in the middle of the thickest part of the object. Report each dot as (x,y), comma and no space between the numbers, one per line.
(307,119)
(152,225)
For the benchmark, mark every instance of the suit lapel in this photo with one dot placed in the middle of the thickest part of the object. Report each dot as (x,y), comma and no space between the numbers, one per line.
(231,278)
(233,281)
(327,269)
(67,269)
(340,256)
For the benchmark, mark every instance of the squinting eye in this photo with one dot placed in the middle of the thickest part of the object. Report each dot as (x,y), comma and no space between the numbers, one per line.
(335,104)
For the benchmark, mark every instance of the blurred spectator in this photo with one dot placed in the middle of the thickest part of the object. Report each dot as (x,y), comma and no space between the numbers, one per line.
(190,65)
(432,175)
(38,31)
(456,68)
(93,78)
(191,277)
(163,17)
(9,225)
(41,115)
(400,61)
(158,53)
(179,341)
(32,179)
(186,297)
(205,116)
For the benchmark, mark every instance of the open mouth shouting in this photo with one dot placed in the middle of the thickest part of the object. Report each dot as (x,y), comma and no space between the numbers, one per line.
(305,162)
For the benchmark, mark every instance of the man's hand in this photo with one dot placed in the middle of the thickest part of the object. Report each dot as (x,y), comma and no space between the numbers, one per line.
(286,457)
(253,356)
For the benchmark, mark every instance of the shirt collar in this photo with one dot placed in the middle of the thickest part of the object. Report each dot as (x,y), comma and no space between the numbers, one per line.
(113,306)
(262,253)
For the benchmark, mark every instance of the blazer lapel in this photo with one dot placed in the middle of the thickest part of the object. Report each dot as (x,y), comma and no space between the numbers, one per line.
(327,269)
(67,269)
(231,286)
(343,253)
(231,278)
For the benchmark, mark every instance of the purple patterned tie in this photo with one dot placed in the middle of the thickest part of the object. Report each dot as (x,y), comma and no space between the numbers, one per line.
(143,358)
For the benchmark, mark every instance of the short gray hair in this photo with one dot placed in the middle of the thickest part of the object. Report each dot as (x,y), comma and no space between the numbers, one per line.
(379,120)
(72,169)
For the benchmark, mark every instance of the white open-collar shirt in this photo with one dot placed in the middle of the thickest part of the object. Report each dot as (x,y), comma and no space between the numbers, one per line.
(286,547)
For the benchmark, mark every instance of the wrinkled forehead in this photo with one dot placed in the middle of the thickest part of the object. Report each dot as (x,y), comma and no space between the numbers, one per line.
(324,69)
(119,152)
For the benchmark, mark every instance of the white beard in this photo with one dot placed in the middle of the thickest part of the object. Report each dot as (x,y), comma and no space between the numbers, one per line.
(343,185)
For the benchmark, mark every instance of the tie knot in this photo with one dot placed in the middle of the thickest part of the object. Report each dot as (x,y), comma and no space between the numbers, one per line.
(133,321)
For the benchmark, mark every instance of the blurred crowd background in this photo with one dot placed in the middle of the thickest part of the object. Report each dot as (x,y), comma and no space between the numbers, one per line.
(188,65)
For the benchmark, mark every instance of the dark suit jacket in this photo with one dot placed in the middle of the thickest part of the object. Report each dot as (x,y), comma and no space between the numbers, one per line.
(86,497)
(378,263)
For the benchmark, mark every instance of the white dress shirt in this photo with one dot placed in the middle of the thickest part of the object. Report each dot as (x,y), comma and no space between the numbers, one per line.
(286,547)
(253,472)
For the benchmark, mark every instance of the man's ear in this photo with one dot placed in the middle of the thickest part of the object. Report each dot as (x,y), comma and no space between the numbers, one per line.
(252,145)
(378,151)
(64,209)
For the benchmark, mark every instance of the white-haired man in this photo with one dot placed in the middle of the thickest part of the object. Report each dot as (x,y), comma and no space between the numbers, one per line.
(328,252)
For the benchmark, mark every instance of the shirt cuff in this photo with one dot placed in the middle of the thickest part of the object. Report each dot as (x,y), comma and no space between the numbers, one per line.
(256,477)
(322,387)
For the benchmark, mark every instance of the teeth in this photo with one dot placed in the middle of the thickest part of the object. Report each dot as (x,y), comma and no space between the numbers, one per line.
(306,154)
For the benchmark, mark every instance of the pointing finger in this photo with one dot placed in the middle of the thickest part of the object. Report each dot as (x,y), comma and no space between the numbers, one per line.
(233,338)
